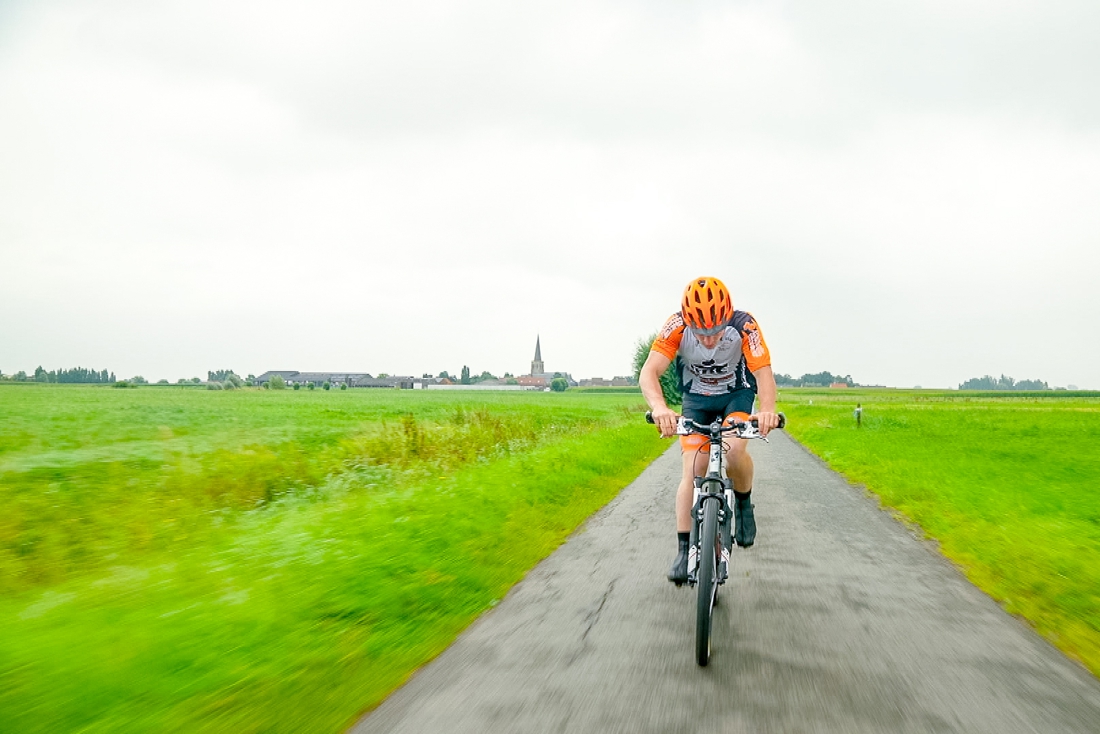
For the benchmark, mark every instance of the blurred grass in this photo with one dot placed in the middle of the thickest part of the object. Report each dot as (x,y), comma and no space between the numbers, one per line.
(1008,485)
(254,561)
(88,474)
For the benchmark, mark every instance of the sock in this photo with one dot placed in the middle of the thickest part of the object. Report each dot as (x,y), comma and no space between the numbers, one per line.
(742,496)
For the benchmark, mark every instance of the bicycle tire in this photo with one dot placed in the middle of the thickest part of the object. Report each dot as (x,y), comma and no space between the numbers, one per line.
(707,581)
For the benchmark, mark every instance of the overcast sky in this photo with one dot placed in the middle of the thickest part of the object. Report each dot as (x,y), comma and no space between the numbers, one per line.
(906,192)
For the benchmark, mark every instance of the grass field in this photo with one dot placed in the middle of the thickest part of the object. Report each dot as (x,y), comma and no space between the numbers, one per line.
(1008,485)
(185,560)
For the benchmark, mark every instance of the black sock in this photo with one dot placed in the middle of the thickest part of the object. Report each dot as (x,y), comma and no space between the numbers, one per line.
(683,539)
(742,496)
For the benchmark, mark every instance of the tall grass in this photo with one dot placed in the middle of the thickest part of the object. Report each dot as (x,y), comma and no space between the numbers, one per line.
(88,475)
(275,564)
(1006,484)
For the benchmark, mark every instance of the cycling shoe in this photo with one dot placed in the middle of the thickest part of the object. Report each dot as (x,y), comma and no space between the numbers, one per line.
(744,522)
(678,574)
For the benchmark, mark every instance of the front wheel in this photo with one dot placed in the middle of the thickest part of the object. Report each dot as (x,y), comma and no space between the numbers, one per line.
(707,585)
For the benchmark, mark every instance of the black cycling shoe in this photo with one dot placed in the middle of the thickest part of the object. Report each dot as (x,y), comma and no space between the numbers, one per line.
(678,574)
(744,522)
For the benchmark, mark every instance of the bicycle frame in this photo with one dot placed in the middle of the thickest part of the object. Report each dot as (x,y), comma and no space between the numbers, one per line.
(714,486)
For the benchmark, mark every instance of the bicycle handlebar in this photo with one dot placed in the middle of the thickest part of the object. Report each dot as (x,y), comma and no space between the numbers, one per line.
(685,426)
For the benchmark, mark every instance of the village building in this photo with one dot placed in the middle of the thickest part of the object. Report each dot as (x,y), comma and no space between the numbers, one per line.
(351,379)
(614,382)
(538,379)
(538,376)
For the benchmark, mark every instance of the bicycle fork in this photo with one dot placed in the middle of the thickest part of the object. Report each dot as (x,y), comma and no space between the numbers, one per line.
(725,526)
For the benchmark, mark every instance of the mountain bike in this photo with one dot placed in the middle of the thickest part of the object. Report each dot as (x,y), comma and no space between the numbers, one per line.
(712,521)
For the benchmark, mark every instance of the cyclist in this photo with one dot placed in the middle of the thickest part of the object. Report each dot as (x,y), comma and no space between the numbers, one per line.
(724,365)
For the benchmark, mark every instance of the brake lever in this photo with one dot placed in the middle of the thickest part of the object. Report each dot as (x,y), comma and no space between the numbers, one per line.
(752,432)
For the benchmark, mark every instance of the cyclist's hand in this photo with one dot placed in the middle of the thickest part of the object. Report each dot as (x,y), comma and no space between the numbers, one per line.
(665,420)
(765,421)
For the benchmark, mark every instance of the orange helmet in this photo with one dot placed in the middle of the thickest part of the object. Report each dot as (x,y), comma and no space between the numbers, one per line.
(707,306)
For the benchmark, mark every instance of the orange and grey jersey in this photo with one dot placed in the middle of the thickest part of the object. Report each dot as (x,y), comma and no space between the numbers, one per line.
(728,367)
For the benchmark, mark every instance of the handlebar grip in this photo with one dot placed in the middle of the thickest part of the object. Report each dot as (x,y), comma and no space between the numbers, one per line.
(782,420)
(649,416)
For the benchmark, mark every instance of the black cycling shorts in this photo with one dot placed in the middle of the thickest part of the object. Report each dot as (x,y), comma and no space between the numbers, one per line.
(709,408)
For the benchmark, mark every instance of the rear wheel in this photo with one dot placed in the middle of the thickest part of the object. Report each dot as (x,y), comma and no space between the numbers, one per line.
(707,586)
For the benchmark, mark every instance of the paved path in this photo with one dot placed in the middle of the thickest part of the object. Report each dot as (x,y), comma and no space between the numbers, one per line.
(838,620)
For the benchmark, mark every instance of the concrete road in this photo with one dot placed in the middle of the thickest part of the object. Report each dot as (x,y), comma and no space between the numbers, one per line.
(838,620)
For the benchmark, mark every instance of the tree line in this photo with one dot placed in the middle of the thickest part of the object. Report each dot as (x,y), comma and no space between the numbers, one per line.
(815,379)
(465,377)
(988,382)
(76,375)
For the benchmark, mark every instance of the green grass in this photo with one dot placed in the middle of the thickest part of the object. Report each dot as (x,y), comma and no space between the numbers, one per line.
(1008,485)
(182,560)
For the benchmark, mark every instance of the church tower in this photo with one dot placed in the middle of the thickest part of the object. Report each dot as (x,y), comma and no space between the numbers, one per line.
(537,367)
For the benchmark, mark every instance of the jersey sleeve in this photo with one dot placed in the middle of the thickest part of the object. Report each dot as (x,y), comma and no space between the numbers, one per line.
(753,345)
(668,338)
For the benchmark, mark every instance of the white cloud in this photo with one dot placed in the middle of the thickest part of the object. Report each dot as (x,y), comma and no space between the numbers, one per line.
(893,190)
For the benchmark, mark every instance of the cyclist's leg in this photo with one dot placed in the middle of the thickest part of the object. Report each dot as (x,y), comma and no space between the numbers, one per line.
(693,463)
(739,467)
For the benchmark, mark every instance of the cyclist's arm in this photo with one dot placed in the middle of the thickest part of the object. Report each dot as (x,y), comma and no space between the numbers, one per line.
(649,379)
(766,391)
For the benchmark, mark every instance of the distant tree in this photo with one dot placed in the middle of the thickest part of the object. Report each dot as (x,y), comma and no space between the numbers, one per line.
(444,375)
(559,384)
(988,382)
(783,380)
(465,379)
(112,377)
(277,383)
(485,375)
(40,375)
(194,380)
(162,382)
(20,376)
(139,380)
(508,375)
(214,385)
(219,375)
(182,381)
(670,380)
(824,379)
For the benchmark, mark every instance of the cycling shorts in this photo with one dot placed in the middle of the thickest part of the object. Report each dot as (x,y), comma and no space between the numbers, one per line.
(708,408)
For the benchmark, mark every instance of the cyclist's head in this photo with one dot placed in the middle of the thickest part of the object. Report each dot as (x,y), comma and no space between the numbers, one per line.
(706,307)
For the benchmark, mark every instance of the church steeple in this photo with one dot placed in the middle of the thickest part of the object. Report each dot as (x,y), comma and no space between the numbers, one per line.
(537,367)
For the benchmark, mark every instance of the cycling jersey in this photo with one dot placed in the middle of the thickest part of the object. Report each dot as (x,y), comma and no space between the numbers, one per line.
(726,368)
